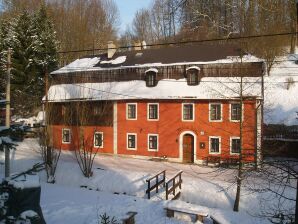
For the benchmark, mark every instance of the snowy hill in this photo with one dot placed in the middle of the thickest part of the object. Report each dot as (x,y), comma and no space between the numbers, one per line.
(281,103)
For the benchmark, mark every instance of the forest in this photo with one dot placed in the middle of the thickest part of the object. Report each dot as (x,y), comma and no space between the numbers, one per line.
(47,34)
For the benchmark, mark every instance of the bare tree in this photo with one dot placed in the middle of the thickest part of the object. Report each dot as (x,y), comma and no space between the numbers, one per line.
(50,155)
(80,116)
(278,184)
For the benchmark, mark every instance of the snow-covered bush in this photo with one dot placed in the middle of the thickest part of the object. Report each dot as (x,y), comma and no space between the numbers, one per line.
(289,82)
(105,219)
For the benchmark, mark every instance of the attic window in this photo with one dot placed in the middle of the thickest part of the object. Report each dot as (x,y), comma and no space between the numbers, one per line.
(192,75)
(150,77)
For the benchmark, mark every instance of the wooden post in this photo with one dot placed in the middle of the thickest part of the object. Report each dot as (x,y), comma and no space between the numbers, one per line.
(174,191)
(167,191)
(7,118)
(148,189)
(156,179)
(180,180)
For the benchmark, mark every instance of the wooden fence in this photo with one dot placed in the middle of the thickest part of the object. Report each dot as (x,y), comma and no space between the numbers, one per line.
(158,181)
(172,184)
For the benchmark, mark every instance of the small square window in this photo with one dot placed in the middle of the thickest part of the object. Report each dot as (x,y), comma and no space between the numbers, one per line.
(152,142)
(235,145)
(192,77)
(131,141)
(214,145)
(131,111)
(151,79)
(215,112)
(65,136)
(235,111)
(188,112)
(98,139)
(153,111)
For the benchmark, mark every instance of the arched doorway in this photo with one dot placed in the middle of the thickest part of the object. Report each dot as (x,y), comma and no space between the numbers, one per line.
(188,148)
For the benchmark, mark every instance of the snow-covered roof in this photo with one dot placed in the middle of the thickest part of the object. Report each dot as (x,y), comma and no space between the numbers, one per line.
(86,65)
(209,88)
(193,67)
(171,56)
(281,104)
(152,70)
(116,61)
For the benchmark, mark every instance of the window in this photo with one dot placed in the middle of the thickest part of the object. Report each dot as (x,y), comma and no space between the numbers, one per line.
(192,77)
(151,78)
(235,110)
(131,111)
(188,112)
(235,145)
(98,139)
(215,112)
(152,111)
(65,136)
(214,145)
(132,141)
(152,142)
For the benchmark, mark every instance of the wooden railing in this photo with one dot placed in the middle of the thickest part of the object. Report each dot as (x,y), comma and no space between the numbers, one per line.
(172,184)
(158,182)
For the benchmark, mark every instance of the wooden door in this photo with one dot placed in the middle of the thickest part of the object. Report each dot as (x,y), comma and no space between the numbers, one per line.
(188,148)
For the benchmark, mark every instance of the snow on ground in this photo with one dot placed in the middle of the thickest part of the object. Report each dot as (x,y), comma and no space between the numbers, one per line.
(281,104)
(118,186)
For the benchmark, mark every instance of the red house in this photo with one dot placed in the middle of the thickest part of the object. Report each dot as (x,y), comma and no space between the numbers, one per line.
(180,103)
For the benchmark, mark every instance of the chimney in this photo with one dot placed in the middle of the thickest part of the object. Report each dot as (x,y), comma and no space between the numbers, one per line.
(111,49)
(144,45)
(138,46)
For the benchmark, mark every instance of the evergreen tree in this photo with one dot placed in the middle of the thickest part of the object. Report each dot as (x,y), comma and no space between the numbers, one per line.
(34,46)
(45,48)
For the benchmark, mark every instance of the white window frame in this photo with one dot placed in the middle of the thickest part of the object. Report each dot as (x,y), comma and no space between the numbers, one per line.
(219,149)
(151,79)
(136,141)
(230,112)
(148,105)
(66,129)
(221,115)
(193,111)
(96,146)
(190,72)
(153,150)
(127,105)
(231,138)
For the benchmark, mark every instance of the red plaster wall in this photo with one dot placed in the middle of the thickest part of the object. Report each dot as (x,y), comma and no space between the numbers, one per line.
(170,126)
(88,135)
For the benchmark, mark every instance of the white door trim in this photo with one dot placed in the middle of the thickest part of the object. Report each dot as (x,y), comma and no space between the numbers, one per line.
(181,145)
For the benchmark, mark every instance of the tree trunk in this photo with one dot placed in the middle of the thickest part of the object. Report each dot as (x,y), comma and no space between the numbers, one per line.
(296,210)
(239,177)
(239,182)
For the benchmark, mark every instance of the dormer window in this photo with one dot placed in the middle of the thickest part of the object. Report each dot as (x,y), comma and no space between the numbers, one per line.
(150,77)
(192,75)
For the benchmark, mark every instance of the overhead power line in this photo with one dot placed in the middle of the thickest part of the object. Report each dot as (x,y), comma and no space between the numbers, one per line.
(138,97)
(182,42)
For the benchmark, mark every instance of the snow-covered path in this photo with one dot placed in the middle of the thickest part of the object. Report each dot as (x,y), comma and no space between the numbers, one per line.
(118,185)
